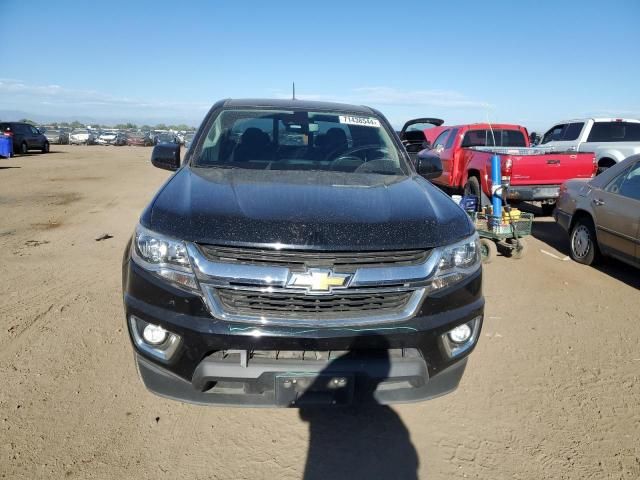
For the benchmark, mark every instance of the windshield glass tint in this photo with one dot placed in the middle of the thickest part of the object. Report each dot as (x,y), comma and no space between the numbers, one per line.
(299,140)
(615,132)
(485,138)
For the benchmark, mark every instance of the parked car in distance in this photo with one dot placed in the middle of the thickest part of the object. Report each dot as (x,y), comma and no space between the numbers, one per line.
(602,216)
(81,136)
(53,134)
(188,138)
(610,139)
(166,138)
(112,138)
(25,137)
(312,267)
(529,174)
(139,139)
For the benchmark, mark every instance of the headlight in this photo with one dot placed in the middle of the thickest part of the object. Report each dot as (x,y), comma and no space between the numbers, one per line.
(163,256)
(457,262)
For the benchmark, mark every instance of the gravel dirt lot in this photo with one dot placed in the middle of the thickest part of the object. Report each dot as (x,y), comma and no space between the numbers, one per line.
(551,392)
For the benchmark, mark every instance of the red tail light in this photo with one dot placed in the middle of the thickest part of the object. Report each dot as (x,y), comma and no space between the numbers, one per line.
(8,133)
(595,167)
(507,166)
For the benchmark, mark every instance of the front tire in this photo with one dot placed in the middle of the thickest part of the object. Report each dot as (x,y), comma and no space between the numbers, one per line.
(46,147)
(583,246)
(23,148)
(472,187)
(488,250)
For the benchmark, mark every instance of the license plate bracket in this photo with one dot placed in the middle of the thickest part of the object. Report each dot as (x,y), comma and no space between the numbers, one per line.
(325,389)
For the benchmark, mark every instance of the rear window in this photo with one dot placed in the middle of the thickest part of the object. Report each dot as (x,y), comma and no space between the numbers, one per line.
(572,132)
(615,132)
(494,138)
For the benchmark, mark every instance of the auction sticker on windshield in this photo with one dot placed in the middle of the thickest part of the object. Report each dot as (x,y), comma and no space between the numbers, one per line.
(363,121)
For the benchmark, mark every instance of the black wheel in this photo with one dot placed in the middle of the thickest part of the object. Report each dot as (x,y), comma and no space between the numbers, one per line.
(518,249)
(583,246)
(472,187)
(23,148)
(488,250)
(45,149)
(547,209)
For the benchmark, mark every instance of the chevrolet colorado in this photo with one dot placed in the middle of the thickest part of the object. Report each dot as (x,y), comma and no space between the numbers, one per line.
(299,256)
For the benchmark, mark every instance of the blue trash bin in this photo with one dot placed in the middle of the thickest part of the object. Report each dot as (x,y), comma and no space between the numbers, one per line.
(6,146)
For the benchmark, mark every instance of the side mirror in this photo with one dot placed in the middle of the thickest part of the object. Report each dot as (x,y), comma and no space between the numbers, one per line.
(428,164)
(166,156)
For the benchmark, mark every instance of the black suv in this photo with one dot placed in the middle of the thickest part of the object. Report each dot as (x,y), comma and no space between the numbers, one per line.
(299,256)
(25,137)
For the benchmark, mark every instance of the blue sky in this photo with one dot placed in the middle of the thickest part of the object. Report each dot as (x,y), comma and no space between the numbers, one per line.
(512,61)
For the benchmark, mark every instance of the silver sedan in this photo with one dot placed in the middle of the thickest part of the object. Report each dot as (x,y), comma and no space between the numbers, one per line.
(602,215)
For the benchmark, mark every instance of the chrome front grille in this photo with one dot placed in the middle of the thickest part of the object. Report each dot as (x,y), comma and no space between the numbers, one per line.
(302,260)
(260,286)
(318,307)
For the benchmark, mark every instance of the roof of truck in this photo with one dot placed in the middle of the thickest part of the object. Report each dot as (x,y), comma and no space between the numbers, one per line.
(298,104)
(502,126)
(599,119)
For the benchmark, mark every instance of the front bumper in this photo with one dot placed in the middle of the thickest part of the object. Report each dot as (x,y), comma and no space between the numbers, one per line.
(533,192)
(210,368)
(270,383)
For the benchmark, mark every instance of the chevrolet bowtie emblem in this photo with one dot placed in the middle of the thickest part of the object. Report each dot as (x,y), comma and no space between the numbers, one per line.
(319,280)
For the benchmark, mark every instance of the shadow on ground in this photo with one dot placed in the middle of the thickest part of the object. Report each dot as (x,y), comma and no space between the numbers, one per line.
(364,441)
(553,235)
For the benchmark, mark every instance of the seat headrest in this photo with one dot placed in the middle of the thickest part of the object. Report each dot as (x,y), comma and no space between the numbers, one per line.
(254,136)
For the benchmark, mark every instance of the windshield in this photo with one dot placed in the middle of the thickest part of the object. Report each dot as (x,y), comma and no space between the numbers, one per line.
(299,140)
(80,131)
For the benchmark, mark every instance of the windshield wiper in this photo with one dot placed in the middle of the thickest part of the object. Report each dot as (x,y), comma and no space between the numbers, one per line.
(227,167)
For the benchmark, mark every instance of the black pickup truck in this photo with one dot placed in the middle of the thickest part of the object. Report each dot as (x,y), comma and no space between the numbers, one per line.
(299,256)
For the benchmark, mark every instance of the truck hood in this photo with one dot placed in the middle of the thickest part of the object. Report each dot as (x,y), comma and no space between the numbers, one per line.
(313,210)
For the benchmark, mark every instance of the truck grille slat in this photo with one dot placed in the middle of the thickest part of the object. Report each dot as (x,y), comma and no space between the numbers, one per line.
(301,260)
(310,306)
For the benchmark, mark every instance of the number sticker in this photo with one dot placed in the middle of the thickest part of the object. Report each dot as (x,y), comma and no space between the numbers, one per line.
(362,121)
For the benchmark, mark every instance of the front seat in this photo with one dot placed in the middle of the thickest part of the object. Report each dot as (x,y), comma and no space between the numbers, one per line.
(254,145)
(335,142)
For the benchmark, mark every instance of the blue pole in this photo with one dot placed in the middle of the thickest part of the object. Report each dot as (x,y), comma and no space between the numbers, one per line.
(496,186)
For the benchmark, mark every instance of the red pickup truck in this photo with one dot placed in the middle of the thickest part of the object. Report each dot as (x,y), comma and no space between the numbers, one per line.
(532,174)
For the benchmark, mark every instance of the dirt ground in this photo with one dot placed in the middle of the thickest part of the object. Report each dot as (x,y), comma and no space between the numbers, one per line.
(551,392)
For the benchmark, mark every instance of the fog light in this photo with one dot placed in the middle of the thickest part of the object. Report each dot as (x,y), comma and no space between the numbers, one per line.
(460,339)
(153,339)
(460,334)
(155,334)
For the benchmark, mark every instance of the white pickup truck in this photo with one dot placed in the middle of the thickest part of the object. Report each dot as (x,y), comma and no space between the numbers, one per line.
(611,139)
